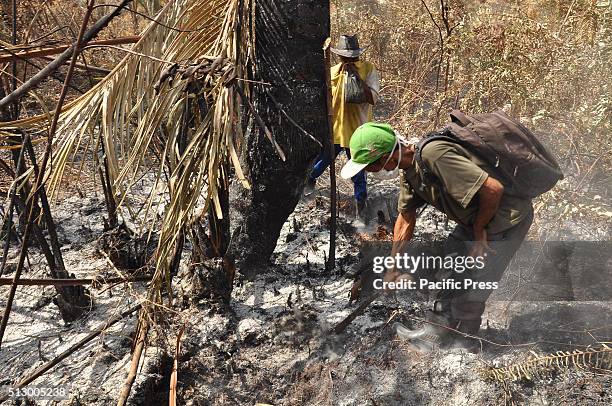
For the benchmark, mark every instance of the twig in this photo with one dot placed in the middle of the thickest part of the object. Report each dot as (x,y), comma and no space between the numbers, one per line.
(292,121)
(72,282)
(14,64)
(261,123)
(92,68)
(12,54)
(46,210)
(53,75)
(569,10)
(442,46)
(149,18)
(129,51)
(47,35)
(46,367)
(107,187)
(8,223)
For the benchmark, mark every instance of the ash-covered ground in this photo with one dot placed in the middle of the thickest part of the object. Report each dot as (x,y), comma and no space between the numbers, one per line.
(272,344)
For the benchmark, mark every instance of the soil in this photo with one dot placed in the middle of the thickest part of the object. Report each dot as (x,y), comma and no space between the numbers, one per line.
(272,344)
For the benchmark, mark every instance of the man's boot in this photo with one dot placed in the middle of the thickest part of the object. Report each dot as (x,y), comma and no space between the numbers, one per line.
(361,215)
(309,186)
(437,331)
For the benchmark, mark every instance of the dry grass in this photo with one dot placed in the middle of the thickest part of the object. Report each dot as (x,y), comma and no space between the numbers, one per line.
(546,62)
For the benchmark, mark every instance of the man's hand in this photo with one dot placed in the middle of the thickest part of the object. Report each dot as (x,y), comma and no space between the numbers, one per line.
(481,246)
(403,229)
(350,67)
(402,234)
(394,275)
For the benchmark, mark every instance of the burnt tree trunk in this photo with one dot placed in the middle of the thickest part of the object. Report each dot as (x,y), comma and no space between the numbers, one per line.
(72,301)
(289,55)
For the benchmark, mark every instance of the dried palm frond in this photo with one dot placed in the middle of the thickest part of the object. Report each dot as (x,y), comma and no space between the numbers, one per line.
(145,99)
(593,359)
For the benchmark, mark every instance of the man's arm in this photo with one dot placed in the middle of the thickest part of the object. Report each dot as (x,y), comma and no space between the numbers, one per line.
(404,228)
(464,181)
(368,92)
(489,197)
(402,234)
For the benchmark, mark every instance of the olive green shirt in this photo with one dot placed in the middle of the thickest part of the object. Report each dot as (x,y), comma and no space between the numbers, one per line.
(461,174)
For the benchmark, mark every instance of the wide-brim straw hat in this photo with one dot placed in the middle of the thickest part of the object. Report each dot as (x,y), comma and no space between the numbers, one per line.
(348,46)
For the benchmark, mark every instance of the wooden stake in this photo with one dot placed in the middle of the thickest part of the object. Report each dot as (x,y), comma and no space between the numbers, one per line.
(331,261)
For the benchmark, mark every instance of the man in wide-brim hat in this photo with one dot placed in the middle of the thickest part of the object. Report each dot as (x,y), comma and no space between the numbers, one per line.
(348,47)
(349,112)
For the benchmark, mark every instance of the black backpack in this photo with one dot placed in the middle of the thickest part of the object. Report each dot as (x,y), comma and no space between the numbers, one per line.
(511,150)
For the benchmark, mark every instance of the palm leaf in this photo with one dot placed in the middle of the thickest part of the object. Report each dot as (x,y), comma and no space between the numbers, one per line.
(148,91)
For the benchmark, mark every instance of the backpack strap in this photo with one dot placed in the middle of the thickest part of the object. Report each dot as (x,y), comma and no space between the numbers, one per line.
(460,118)
(429,178)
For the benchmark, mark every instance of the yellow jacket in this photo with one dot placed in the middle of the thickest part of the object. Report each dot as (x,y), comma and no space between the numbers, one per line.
(349,116)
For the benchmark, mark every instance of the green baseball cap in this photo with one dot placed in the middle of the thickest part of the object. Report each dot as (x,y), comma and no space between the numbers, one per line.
(368,143)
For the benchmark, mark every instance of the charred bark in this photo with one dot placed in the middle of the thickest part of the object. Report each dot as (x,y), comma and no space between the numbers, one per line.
(72,301)
(289,56)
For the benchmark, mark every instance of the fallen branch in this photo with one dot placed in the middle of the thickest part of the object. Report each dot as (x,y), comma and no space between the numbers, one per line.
(63,57)
(72,282)
(46,367)
(340,327)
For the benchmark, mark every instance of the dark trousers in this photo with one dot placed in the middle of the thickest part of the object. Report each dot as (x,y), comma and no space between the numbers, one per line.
(359,180)
(469,305)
